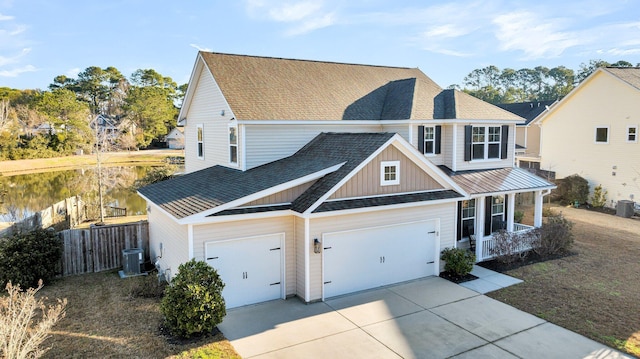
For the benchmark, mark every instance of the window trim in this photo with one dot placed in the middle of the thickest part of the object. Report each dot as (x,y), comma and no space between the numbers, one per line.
(463,218)
(200,141)
(635,133)
(389,182)
(595,137)
(232,145)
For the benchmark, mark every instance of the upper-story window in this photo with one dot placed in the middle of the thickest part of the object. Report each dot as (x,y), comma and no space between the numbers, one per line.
(429,139)
(200,131)
(233,144)
(389,173)
(602,134)
(632,133)
(486,142)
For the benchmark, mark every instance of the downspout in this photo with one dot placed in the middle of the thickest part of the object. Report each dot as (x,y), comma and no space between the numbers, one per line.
(307,274)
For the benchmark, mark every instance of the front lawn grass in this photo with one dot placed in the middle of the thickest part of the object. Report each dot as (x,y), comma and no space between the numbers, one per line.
(595,293)
(103,320)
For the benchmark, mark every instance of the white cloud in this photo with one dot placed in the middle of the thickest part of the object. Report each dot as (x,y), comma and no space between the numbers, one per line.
(5,17)
(17,71)
(302,16)
(73,72)
(8,60)
(536,37)
(295,12)
(312,24)
(200,48)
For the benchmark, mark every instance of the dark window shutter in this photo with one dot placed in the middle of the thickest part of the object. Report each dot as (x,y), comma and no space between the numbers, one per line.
(505,141)
(438,135)
(459,226)
(506,208)
(421,139)
(487,216)
(467,142)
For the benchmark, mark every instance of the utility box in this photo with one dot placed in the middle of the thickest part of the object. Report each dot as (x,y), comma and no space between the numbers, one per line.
(132,259)
(625,208)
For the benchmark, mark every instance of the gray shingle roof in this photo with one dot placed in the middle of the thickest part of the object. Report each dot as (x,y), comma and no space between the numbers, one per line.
(386,200)
(203,190)
(264,88)
(497,180)
(630,75)
(527,110)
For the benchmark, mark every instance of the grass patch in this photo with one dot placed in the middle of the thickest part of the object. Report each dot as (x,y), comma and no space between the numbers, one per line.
(591,292)
(107,319)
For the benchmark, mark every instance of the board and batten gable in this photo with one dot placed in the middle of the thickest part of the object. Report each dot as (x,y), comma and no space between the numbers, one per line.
(286,196)
(568,136)
(268,143)
(462,165)
(445,212)
(209,109)
(366,182)
(168,241)
(239,229)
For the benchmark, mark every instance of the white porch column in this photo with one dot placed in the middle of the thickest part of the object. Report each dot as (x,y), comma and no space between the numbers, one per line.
(511,210)
(537,214)
(479,226)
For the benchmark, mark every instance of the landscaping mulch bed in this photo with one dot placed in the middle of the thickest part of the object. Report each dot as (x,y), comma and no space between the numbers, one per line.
(457,278)
(594,291)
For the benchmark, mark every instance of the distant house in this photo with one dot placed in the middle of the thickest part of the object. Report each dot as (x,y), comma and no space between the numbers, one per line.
(316,179)
(593,132)
(112,128)
(528,132)
(175,138)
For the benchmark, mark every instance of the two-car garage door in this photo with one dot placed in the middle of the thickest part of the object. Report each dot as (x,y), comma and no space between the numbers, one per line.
(372,257)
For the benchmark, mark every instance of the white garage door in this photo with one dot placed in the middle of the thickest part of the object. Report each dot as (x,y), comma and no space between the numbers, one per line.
(368,258)
(251,268)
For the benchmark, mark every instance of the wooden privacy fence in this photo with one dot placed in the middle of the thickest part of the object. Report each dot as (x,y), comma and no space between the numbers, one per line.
(100,247)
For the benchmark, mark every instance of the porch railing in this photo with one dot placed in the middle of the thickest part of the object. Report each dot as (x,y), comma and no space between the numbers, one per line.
(488,243)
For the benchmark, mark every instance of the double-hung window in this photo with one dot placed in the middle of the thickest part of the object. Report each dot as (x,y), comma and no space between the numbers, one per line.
(468,217)
(497,213)
(233,144)
(486,142)
(429,139)
(200,140)
(632,133)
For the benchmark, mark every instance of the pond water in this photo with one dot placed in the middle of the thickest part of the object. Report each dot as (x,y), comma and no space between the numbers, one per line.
(30,193)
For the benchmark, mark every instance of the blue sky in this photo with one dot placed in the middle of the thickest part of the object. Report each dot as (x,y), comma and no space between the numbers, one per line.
(40,39)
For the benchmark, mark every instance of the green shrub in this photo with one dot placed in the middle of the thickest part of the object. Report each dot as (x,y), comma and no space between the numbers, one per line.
(518,216)
(572,189)
(548,212)
(555,237)
(599,198)
(458,261)
(193,302)
(26,257)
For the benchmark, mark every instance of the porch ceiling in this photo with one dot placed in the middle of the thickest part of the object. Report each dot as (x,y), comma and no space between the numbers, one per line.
(500,180)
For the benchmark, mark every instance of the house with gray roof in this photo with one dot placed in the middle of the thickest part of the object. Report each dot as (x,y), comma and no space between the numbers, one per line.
(316,179)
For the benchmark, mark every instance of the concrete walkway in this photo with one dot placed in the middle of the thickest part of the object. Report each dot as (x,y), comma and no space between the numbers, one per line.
(426,318)
(488,280)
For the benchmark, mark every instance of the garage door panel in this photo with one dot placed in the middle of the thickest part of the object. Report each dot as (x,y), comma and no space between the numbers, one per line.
(251,268)
(368,258)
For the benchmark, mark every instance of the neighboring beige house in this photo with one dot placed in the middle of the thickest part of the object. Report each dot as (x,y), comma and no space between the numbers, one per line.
(315,179)
(593,132)
(175,138)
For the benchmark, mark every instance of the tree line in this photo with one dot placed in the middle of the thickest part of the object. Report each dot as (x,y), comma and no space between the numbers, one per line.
(62,119)
(538,84)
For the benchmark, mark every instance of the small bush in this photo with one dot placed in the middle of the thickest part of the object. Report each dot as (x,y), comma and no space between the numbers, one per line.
(25,322)
(193,302)
(518,216)
(458,261)
(27,257)
(572,189)
(555,237)
(154,175)
(548,212)
(599,198)
(509,247)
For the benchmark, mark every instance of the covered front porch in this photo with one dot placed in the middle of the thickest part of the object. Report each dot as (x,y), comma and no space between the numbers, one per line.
(492,206)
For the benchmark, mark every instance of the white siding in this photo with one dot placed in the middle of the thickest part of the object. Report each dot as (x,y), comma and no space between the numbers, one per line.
(267,143)
(445,141)
(249,228)
(299,233)
(463,165)
(174,239)
(445,212)
(205,109)
(568,137)
(447,146)
(401,129)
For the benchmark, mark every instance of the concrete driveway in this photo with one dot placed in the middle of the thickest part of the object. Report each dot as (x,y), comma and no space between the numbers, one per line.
(427,318)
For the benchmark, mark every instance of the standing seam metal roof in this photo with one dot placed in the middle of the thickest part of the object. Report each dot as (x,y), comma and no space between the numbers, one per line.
(497,180)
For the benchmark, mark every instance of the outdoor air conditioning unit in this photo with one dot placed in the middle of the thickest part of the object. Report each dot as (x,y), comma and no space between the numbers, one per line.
(625,208)
(132,259)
